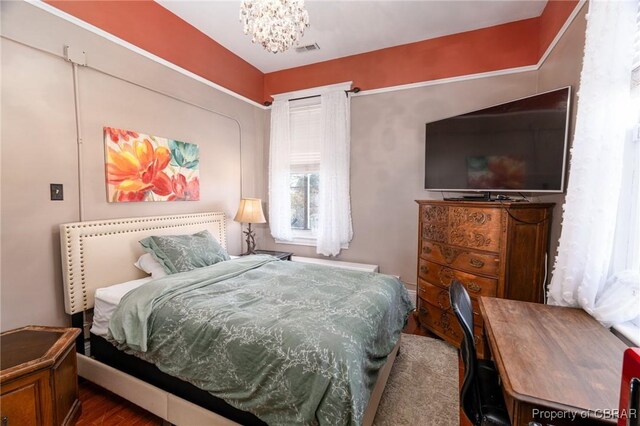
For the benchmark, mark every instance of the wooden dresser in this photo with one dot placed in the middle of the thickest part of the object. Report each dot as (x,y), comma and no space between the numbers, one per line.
(39,380)
(493,248)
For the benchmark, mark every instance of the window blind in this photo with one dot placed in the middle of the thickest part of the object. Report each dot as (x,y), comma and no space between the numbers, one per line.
(306,135)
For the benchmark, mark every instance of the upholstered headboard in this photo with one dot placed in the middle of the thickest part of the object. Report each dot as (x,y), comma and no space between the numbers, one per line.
(101,253)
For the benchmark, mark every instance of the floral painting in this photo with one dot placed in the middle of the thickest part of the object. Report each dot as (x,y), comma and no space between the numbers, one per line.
(495,172)
(150,168)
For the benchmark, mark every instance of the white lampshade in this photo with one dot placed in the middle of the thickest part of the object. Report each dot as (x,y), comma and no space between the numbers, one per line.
(250,211)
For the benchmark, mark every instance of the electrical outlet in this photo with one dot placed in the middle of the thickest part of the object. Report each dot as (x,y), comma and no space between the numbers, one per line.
(56,192)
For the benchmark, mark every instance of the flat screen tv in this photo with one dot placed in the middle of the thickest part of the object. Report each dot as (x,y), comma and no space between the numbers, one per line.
(519,146)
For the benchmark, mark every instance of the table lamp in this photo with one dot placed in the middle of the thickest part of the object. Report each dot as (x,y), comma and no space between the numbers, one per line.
(250,211)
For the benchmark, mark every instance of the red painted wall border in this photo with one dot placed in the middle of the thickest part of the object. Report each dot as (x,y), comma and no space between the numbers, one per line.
(500,47)
(489,49)
(145,24)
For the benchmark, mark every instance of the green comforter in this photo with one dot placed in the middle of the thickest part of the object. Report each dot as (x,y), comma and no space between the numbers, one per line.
(292,343)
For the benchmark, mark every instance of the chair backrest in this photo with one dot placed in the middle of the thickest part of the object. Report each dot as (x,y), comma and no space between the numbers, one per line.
(470,393)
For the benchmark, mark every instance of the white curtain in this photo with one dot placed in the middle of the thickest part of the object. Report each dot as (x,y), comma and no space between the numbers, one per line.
(279,172)
(334,218)
(594,269)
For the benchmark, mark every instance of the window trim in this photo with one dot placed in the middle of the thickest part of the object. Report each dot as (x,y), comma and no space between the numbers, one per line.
(629,331)
(305,238)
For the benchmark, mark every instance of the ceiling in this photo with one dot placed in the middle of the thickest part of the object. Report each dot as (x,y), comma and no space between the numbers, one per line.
(343,28)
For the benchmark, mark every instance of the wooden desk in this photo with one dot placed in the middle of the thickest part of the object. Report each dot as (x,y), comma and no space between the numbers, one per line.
(553,360)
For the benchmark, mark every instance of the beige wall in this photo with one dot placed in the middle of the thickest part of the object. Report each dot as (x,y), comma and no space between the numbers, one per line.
(562,68)
(387,154)
(39,147)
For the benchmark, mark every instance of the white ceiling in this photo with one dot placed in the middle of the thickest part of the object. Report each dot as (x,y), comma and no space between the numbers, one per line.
(344,28)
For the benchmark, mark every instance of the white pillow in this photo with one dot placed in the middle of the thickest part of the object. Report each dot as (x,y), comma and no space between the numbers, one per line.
(150,265)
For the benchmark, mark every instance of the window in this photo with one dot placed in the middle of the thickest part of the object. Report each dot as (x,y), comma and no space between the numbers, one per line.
(304,201)
(627,238)
(305,167)
(310,140)
(598,268)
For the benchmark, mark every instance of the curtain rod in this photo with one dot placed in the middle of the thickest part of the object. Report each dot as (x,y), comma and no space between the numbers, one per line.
(346,92)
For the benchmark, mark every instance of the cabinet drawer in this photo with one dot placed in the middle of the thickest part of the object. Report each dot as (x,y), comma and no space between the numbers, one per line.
(443,277)
(439,297)
(474,262)
(476,228)
(20,406)
(444,324)
(434,214)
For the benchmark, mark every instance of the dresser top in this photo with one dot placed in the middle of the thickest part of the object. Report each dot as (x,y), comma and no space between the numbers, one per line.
(32,348)
(491,204)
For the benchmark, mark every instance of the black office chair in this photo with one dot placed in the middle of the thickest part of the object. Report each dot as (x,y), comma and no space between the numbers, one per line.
(481,397)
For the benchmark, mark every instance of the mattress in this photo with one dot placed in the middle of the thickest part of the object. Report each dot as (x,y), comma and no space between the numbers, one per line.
(106,302)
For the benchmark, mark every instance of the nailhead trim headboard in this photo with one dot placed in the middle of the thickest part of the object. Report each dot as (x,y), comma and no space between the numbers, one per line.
(101,253)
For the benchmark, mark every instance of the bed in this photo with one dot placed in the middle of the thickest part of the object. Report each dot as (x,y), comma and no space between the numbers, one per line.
(348,354)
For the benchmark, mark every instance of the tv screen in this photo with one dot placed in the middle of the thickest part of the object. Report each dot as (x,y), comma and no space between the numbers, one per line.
(519,146)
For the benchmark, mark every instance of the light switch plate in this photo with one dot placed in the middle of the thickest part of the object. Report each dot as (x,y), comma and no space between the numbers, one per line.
(56,191)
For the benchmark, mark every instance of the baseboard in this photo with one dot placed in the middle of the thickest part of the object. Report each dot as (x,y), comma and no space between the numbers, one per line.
(413,294)
(337,263)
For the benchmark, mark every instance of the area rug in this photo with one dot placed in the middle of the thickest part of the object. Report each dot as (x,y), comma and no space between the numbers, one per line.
(423,385)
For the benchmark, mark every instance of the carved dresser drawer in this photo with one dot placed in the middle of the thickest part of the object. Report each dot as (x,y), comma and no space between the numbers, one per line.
(444,324)
(475,262)
(439,297)
(443,276)
(475,228)
(495,249)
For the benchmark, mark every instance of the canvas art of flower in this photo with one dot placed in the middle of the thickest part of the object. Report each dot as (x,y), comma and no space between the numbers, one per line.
(141,167)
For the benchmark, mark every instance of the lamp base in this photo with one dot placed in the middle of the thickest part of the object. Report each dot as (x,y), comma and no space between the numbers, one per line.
(251,241)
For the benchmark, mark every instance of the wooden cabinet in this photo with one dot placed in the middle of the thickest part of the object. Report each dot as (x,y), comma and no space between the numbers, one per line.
(38,377)
(493,248)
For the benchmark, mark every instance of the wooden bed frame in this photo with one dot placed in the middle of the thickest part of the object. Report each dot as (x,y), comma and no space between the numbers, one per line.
(101,253)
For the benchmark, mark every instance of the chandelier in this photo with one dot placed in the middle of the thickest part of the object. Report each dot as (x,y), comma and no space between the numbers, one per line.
(275,24)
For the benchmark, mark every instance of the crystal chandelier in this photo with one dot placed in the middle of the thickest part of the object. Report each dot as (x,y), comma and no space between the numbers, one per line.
(275,24)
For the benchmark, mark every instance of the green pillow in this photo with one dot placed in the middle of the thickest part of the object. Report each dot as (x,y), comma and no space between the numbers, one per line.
(181,253)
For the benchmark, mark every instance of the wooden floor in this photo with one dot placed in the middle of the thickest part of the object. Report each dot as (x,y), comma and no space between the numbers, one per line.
(101,407)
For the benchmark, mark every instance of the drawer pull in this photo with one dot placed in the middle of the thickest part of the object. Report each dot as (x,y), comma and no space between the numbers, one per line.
(424,269)
(445,275)
(424,311)
(5,421)
(445,323)
(443,300)
(450,254)
(477,263)
(474,287)
(426,249)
